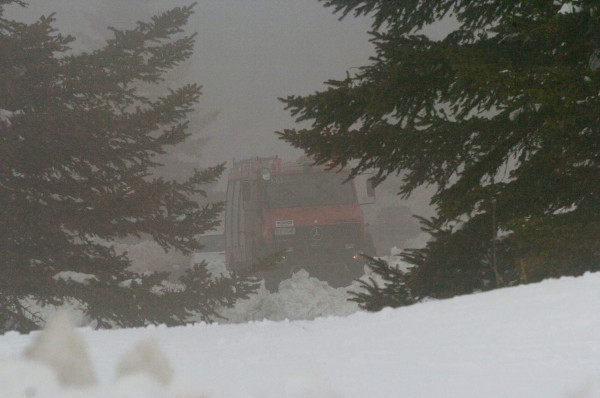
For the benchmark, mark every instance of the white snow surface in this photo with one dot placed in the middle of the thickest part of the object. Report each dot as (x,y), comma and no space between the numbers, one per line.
(298,298)
(569,8)
(5,116)
(77,277)
(539,340)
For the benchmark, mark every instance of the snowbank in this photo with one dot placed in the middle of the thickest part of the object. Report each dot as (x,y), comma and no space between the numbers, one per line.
(539,340)
(299,298)
(57,364)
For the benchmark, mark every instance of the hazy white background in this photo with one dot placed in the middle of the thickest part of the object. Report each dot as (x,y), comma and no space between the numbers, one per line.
(248,53)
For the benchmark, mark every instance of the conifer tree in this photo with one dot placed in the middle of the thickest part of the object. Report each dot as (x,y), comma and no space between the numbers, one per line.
(78,141)
(502,116)
(393,292)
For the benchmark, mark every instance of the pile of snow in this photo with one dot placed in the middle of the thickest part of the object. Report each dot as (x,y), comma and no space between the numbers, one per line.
(569,8)
(60,348)
(5,116)
(299,298)
(303,297)
(57,363)
(77,277)
(539,340)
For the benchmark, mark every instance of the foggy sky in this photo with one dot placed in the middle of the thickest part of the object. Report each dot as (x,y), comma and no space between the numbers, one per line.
(248,53)
(256,51)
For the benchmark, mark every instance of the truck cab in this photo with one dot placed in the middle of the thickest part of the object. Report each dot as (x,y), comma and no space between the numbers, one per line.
(281,217)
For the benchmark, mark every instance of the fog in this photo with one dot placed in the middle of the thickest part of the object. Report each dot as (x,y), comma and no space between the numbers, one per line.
(247,55)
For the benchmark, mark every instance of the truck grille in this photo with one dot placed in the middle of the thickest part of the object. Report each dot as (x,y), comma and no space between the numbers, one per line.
(322,236)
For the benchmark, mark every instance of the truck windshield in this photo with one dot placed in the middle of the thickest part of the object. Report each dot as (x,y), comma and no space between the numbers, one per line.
(308,189)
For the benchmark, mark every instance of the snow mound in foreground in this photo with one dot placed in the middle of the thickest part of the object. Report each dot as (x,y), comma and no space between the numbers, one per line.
(57,364)
(62,350)
(300,297)
(538,340)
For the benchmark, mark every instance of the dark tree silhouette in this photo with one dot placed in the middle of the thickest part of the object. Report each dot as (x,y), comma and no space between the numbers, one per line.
(502,116)
(78,141)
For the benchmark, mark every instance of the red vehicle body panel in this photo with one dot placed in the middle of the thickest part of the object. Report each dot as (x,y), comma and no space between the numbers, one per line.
(251,227)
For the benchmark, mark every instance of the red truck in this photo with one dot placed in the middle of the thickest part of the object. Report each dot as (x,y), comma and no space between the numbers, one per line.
(300,214)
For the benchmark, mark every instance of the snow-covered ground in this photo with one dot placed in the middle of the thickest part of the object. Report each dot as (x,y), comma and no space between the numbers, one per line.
(540,340)
(298,298)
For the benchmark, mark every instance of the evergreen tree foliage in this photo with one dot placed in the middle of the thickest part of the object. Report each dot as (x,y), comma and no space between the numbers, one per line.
(502,116)
(78,141)
(459,260)
(393,292)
